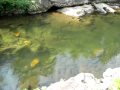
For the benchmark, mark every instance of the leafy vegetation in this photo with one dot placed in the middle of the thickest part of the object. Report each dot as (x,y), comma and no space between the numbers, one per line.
(10,6)
(117,82)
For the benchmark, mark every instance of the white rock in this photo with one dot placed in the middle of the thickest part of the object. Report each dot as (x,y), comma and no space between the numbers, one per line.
(83,81)
(77,11)
(87,81)
(104,8)
(112,73)
(73,11)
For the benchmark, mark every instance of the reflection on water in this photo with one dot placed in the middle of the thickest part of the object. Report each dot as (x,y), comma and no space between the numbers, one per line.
(9,80)
(66,67)
(36,46)
(114,62)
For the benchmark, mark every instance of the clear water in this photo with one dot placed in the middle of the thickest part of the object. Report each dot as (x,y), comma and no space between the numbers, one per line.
(64,47)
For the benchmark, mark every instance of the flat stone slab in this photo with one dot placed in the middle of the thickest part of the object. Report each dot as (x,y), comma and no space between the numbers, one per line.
(77,11)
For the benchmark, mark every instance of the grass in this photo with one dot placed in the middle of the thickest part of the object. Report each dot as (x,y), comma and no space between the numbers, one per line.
(117,83)
(11,6)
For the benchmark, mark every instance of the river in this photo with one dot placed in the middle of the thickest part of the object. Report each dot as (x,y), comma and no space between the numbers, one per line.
(41,49)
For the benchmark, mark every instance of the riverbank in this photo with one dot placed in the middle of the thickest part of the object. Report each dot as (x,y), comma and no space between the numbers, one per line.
(12,7)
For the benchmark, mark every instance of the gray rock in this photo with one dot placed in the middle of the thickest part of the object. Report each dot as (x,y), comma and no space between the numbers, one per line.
(62,3)
(104,8)
(38,6)
(108,1)
(115,7)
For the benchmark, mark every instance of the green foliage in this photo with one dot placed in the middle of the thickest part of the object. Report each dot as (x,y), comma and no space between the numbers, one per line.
(117,82)
(10,6)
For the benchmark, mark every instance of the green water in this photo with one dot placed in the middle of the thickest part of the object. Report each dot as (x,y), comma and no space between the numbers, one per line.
(52,38)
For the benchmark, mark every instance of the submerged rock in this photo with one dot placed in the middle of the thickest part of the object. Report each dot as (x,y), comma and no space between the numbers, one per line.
(77,11)
(104,8)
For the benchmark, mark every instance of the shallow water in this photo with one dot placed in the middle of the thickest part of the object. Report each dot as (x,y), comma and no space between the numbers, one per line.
(40,50)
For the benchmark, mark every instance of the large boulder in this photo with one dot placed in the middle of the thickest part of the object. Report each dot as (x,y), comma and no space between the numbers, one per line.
(38,6)
(62,3)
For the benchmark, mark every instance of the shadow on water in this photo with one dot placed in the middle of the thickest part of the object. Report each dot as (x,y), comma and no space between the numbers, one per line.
(43,49)
(25,22)
(6,55)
